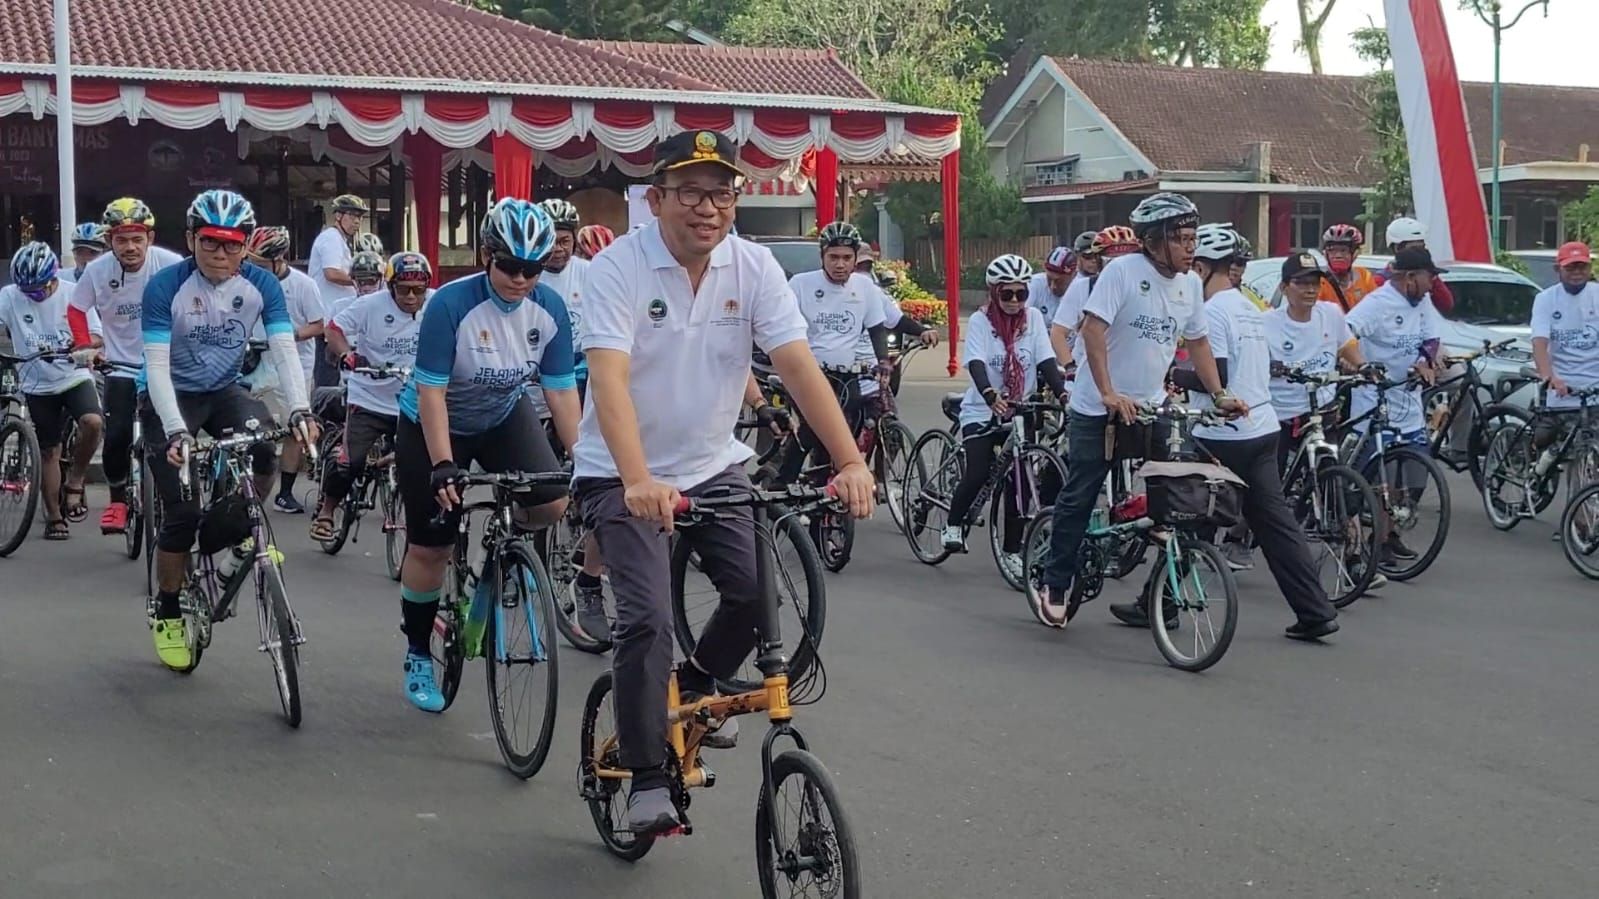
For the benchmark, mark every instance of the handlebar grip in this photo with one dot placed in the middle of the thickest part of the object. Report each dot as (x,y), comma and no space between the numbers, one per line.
(682,505)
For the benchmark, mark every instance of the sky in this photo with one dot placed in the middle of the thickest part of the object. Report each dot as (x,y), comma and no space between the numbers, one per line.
(1556,50)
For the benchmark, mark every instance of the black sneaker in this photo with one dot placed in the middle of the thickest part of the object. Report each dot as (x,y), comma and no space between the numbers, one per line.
(1396,549)
(1311,630)
(591,618)
(1134,614)
(288,505)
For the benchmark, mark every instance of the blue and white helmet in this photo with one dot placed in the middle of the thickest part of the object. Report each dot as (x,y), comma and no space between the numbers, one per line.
(223,210)
(91,235)
(34,266)
(520,229)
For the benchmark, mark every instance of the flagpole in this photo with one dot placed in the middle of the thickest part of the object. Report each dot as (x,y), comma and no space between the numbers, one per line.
(65,166)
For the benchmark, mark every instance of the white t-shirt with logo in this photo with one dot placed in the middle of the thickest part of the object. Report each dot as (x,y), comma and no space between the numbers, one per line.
(1146,314)
(43,326)
(305,307)
(118,297)
(1571,325)
(1069,315)
(1310,346)
(1032,347)
(570,282)
(864,354)
(1238,334)
(330,250)
(1040,297)
(836,315)
(386,335)
(689,351)
(1391,331)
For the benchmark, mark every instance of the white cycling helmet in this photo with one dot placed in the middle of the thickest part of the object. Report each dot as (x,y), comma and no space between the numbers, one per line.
(1008,269)
(1405,230)
(1216,242)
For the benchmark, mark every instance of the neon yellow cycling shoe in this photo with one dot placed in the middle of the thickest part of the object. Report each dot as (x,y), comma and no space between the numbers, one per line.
(172,644)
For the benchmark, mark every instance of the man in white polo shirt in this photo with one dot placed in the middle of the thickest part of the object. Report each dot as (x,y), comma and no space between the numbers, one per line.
(670,315)
(1565,339)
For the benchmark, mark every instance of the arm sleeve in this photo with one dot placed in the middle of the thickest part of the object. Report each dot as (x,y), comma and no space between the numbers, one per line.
(1049,373)
(557,366)
(608,309)
(774,314)
(286,360)
(157,329)
(79,323)
(979,372)
(435,344)
(1541,321)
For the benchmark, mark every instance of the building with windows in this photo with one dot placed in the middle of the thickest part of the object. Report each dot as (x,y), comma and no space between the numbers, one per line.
(1281,155)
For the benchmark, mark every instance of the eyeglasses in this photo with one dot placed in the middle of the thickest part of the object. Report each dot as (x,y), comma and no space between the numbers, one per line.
(518,268)
(410,291)
(720,197)
(230,247)
(1015,295)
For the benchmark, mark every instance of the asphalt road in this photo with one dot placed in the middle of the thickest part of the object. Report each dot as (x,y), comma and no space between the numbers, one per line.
(1440,745)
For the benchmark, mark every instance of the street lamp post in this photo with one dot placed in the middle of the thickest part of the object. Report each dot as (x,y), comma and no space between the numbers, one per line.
(1490,13)
(66,169)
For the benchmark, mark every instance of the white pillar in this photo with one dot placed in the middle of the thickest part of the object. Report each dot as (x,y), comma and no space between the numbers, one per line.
(64,145)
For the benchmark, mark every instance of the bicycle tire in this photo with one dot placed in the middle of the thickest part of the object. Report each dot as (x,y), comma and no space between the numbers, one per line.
(28,449)
(347,512)
(1035,553)
(394,539)
(286,658)
(133,527)
(1434,473)
(1494,417)
(532,603)
(1336,522)
(1583,558)
(919,511)
(809,840)
(894,442)
(1193,550)
(152,526)
(814,615)
(835,553)
(604,796)
(447,645)
(1506,458)
(561,542)
(1044,457)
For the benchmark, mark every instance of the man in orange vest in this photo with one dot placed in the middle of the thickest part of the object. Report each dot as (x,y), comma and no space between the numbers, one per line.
(1349,283)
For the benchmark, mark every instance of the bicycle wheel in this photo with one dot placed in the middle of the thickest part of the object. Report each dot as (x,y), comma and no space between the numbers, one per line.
(834,536)
(152,527)
(894,442)
(447,645)
(1045,475)
(346,513)
(1494,417)
(394,543)
(518,648)
(1035,558)
(20,477)
(607,804)
(563,550)
(1414,495)
(1340,520)
(1579,531)
(1193,584)
(804,845)
(1507,469)
(932,472)
(801,603)
(281,643)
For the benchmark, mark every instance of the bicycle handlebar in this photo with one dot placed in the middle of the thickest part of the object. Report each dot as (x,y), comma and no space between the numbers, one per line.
(1488,349)
(42,355)
(792,495)
(382,371)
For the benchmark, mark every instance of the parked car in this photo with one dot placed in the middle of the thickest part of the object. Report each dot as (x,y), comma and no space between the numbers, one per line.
(1540,265)
(1491,303)
(794,254)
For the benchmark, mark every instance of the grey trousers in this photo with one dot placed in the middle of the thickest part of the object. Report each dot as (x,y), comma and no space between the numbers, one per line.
(638,555)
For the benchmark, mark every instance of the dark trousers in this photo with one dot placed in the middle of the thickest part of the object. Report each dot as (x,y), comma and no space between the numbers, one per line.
(216,414)
(1281,539)
(1085,475)
(638,555)
(810,447)
(362,429)
(121,405)
(982,440)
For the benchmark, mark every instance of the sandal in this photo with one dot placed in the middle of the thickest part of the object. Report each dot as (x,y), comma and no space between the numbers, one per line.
(322,528)
(56,530)
(74,511)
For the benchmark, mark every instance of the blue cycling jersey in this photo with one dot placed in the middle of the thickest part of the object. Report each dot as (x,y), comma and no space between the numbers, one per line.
(208,325)
(484,351)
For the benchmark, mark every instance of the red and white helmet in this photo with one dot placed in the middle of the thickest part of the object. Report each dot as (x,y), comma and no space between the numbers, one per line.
(1061,261)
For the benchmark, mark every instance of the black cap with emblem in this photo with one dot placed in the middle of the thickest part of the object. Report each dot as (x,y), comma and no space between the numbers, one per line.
(688,148)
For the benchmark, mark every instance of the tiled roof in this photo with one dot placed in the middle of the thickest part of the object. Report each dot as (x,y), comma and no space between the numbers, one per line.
(1200,119)
(751,69)
(413,39)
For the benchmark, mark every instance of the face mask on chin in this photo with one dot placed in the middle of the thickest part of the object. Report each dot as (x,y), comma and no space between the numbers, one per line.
(1574,289)
(1340,267)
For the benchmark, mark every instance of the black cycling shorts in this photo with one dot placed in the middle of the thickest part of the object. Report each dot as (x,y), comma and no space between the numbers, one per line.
(51,412)
(214,414)
(516,444)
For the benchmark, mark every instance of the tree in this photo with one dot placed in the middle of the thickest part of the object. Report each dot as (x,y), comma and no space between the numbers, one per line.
(1391,196)
(1225,33)
(1310,25)
(1582,217)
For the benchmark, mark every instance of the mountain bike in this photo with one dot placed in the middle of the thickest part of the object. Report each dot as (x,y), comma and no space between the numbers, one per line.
(374,487)
(1519,481)
(803,841)
(1462,413)
(504,613)
(1025,473)
(210,590)
(1188,560)
(21,463)
(1336,507)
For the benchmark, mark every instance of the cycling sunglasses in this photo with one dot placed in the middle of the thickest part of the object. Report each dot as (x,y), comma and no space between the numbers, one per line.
(518,268)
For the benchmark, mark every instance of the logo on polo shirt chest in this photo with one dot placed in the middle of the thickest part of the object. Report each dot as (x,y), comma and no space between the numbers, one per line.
(656,311)
(388,319)
(485,342)
(533,338)
(238,303)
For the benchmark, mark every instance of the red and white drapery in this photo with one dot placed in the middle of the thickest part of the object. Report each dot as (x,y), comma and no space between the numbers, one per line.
(570,136)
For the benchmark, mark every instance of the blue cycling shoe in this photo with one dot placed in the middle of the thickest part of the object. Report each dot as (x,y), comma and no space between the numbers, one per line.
(420,687)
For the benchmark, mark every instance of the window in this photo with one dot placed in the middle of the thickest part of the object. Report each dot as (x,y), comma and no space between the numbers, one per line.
(1307,223)
(1507,226)
(1084,215)
(1549,228)
(1049,174)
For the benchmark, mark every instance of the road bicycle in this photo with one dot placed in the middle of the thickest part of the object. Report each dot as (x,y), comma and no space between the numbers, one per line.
(1519,481)
(249,555)
(803,841)
(1404,476)
(1190,583)
(21,463)
(1336,507)
(1462,412)
(1023,479)
(503,612)
(375,487)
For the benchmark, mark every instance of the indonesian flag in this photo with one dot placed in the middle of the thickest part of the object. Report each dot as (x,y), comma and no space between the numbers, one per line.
(1443,166)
